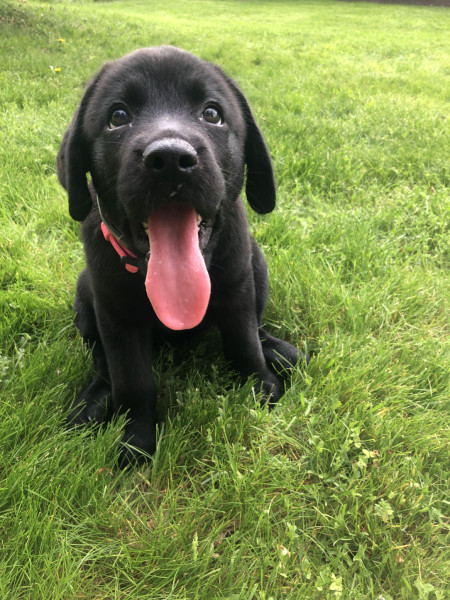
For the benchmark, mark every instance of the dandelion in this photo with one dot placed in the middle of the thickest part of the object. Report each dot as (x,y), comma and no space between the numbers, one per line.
(61,41)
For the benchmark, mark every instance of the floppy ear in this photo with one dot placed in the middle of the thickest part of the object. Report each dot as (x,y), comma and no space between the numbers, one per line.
(260,186)
(72,161)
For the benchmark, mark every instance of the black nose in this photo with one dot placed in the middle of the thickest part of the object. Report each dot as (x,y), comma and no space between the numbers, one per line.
(170,156)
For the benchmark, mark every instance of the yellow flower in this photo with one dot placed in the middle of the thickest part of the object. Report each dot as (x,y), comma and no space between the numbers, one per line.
(57,70)
(61,40)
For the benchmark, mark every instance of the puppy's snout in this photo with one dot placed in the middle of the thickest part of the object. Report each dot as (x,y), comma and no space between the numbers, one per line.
(170,156)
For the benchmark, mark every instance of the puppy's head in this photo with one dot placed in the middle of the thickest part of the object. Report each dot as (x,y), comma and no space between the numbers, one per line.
(166,138)
(161,125)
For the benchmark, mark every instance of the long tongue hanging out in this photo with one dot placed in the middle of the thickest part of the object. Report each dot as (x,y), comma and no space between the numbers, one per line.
(177,281)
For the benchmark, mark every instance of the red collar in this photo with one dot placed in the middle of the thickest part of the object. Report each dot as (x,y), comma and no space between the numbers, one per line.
(128,259)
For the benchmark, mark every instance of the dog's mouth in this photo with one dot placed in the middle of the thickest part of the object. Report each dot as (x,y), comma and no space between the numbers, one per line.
(199,219)
(204,227)
(141,241)
(177,280)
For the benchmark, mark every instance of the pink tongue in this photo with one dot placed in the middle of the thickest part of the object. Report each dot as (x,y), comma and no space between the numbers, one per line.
(177,281)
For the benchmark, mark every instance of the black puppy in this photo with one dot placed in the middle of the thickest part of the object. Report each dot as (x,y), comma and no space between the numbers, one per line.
(165,137)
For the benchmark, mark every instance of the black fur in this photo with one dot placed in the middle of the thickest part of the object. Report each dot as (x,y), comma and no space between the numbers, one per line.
(165,92)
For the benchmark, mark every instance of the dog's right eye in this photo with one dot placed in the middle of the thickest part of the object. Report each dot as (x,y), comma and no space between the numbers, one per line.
(118,118)
(211,114)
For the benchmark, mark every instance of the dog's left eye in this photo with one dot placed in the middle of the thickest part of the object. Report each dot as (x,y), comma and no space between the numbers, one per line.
(118,118)
(211,114)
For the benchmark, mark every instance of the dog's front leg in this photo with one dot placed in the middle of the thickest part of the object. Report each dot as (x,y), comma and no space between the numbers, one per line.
(236,317)
(128,350)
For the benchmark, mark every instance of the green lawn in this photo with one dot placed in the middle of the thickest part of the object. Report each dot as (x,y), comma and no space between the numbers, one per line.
(341,491)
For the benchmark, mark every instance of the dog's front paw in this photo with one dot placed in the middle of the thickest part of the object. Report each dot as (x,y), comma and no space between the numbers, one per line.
(281,357)
(271,390)
(138,441)
(93,406)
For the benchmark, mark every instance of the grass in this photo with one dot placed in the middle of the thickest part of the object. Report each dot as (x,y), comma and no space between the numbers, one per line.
(341,491)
